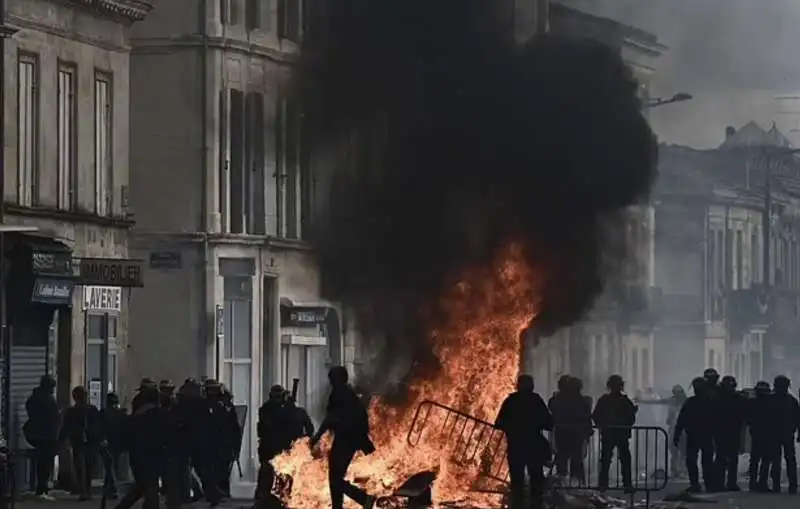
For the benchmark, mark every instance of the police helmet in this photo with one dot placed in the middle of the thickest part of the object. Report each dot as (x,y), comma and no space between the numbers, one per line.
(781,383)
(762,387)
(212,387)
(699,384)
(615,382)
(728,382)
(146,383)
(166,386)
(711,375)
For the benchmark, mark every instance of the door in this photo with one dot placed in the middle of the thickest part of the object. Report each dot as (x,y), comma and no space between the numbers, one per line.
(309,365)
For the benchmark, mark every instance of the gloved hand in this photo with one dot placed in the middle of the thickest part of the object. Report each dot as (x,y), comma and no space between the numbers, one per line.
(676,441)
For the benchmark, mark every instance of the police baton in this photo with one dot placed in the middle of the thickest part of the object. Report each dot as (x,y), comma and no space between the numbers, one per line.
(239,468)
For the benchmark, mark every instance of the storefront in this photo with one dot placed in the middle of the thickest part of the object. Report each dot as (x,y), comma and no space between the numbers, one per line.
(102,306)
(310,345)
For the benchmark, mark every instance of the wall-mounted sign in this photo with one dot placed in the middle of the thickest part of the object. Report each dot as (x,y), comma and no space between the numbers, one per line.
(107,299)
(111,272)
(52,291)
(300,316)
(52,263)
(165,260)
(298,340)
(219,321)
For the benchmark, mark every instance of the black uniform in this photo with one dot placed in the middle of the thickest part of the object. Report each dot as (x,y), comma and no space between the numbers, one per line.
(349,421)
(787,424)
(112,427)
(523,417)
(82,429)
(697,419)
(146,437)
(274,423)
(763,442)
(615,414)
(729,415)
(189,414)
(41,430)
(572,422)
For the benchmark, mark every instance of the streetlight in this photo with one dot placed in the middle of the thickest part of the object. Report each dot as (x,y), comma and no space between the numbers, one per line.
(679,97)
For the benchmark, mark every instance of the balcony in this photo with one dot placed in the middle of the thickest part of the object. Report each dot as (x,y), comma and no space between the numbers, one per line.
(679,308)
(777,308)
(633,305)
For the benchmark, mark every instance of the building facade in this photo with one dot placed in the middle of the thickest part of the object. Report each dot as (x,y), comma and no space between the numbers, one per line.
(223,194)
(730,300)
(618,335)
(66,183)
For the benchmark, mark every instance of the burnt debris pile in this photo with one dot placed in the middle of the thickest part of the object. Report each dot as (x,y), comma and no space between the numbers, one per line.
(439,140)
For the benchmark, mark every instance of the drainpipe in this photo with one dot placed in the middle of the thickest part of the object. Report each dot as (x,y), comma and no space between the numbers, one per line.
(206,302)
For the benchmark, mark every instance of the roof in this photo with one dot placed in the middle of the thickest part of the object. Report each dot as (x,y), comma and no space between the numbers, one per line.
(753,135)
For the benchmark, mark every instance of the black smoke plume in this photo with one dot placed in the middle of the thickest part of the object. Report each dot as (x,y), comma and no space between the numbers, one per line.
(449,141)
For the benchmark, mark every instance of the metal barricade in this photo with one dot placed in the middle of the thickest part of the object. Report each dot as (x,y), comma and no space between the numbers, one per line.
(470,441)
(648,448)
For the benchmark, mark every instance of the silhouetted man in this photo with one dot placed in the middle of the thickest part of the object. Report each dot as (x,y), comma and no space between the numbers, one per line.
(763,442)
(615,414)
(41,431)
(572,426)
(82,429)
(274,423)
(787,424)
(349,421)
(729,414)
(523,417)
(696,418)
(112,426)
(146,438)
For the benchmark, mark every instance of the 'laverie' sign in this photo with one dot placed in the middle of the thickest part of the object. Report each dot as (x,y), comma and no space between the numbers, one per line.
(102,298)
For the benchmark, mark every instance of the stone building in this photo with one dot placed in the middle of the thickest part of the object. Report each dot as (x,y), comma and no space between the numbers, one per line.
(66,188)
(222,197)
(719,308)
(618,335)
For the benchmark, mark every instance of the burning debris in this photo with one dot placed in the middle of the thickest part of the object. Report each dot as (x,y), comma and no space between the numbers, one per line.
(480,191)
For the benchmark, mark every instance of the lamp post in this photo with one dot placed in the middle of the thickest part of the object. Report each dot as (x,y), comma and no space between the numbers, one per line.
(658,101)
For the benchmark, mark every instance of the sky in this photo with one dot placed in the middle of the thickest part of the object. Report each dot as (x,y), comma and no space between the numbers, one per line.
(736,57)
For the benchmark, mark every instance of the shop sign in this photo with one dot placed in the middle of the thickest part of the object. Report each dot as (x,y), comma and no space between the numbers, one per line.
(51,263)
(298,340)
(107,299)
(52,291)
(111,272)
(303,316)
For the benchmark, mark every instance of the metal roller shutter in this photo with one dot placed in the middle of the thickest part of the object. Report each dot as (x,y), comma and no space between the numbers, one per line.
(28,365)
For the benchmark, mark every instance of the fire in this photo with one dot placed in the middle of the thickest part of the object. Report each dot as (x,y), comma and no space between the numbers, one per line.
(479,349)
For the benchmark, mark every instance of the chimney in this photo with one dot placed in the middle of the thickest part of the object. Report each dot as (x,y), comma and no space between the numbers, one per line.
(729,132)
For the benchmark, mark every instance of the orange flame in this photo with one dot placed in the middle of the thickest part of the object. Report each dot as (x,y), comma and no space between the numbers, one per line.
(479,349)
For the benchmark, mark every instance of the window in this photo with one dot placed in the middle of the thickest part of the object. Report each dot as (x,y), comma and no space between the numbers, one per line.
(224,159)
(289,19)
(236,175)
(755,259)
(67,131)
(230,11)
(739,260)
(254,163)
(254,14)
(294,176)
(27,130)
(103,154)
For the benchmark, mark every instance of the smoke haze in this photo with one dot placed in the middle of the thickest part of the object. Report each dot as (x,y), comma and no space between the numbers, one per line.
(456,143)
(733,56)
